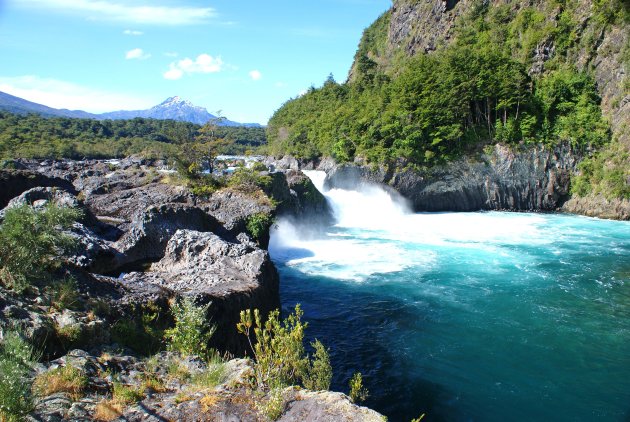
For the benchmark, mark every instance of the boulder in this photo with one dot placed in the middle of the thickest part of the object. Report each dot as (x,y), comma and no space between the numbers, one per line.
(232,276)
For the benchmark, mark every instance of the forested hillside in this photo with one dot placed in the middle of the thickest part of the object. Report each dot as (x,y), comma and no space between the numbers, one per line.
(33,136)
(434,81)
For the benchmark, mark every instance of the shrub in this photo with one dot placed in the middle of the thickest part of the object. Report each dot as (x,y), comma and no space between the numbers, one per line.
(192,332)
(258,225)
(142,335)
(358,392)
(30,242)
(319,373)
(63,294)
(249,180)
(66,379)
(279,351)
(17,358)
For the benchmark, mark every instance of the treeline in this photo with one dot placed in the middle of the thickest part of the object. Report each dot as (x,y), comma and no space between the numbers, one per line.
(33,136)
(479,89)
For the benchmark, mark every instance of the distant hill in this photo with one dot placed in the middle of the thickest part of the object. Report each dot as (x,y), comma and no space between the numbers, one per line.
(173,108)
(21,106)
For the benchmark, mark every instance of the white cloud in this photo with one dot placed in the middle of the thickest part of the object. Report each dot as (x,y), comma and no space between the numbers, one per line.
(120,10)
(204,63)
(171,54)
(255,75)
(137,53)
(132,32)
(61,94)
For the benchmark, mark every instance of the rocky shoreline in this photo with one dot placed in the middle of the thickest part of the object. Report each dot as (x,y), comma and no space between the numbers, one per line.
(502,178)
(144,241)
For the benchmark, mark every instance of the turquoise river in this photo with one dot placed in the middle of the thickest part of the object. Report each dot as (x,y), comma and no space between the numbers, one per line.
(487,316)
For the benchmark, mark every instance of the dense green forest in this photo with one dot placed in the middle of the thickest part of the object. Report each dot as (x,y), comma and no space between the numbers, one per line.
(33,136)
(431,108)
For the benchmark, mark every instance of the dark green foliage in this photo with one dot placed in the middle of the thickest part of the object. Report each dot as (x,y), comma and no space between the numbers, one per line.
(433,108)
(258,226)
(142,333)
(33,136)
(31,240)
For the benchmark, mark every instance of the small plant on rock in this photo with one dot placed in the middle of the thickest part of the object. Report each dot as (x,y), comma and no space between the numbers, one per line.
(279,354)
(192,331)
(31,240)
(17,359)
(67,379)
(358,392)
(319,374)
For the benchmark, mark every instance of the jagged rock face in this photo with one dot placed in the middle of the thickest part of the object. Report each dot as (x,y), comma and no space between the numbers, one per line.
(536,179)
(233,276)
(598,206)
(148,235)
(15,182)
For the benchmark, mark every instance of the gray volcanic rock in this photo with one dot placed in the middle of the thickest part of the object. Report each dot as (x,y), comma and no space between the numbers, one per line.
(324,406)
(232,276)
(232,208)
(148,235)
(15,182)
(598,206)
(536,179)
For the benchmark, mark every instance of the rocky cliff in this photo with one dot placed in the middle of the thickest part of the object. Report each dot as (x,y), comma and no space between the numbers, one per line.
(145,241)
(503,179)
(592,36)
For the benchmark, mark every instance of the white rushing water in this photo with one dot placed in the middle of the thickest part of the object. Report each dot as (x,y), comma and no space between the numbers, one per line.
(484,316)
(348,249)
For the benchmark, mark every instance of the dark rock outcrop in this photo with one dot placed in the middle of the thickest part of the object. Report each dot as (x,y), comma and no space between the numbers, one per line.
(232,276)
(15,182)
(536,179)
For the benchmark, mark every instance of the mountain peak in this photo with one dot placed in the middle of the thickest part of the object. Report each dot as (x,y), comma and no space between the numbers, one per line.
(176,100)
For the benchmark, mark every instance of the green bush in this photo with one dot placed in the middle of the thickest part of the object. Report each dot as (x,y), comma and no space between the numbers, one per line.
(192,331)
(17,359)
(141,334)
(258,226)
(280,358)
(319,373)
(358,392)
(31,242)
(249,180)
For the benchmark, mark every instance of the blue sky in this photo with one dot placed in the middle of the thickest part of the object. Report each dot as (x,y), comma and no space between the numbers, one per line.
(243,57)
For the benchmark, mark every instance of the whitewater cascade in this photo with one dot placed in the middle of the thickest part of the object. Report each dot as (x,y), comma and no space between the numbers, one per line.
(373,213)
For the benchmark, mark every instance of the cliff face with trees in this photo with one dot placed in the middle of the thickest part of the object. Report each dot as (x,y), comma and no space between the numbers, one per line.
(437,82)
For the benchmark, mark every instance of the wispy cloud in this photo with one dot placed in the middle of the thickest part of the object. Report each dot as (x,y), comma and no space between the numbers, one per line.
(171,54)
(61,94)
(120,10)
(280,85)
(132,32)
(204,63)
(137,54)
(255,75)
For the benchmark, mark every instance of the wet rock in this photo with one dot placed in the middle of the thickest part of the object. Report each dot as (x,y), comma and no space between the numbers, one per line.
(535,179)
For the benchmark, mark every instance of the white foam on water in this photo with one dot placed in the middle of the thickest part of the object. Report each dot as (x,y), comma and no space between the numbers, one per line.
(375,232)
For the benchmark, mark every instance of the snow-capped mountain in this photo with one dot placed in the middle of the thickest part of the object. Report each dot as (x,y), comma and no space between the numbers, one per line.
(174,108)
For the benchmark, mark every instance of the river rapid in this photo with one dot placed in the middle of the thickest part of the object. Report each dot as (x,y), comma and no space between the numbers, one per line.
(487,316)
